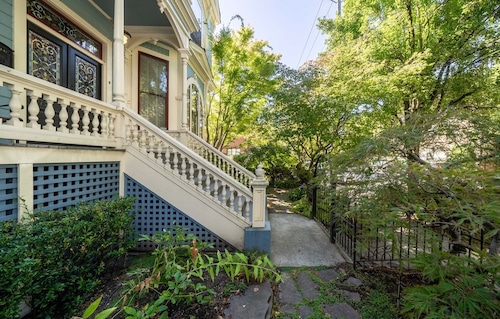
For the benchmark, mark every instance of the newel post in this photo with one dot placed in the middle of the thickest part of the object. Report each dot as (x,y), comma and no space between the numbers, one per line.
(259,185)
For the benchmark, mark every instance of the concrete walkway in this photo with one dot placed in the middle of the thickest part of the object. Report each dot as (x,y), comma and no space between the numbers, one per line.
(299,242)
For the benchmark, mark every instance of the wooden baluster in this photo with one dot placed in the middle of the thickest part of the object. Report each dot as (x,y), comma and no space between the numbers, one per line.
(127,133)
(151,148)
(142,139)
(49,114)
(63,116)
(159,152)
(199,175)
(75,119)
(95,122)
(85,121)
(182,166)
(240,206)
(191,172)
(104,124)
(231,199)
(168,152)
(216,189)
(111,130)
(175,162)
(33,110)
(135,134)
(15,107)
(247,212)
(224,194)
(237,205)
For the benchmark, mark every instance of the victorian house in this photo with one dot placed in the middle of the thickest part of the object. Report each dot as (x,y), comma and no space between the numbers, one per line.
(100,98)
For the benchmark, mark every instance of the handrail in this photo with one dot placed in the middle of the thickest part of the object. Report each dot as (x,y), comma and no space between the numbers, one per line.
(190,167)
(216,157)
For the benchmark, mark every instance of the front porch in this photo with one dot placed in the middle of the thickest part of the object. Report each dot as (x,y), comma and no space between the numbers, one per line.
(52,132)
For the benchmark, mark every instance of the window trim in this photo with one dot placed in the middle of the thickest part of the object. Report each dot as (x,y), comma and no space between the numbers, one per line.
(167,106)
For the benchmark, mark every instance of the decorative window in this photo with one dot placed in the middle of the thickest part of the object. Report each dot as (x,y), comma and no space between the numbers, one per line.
(195,110)
(44,58)
(53,60)
(153,89)
(50,17)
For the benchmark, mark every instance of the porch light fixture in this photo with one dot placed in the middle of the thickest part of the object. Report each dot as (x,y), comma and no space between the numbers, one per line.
(126,36)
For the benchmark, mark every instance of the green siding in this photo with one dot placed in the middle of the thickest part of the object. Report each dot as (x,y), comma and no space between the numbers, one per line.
(6,22)
(90,14)
(155,48)
(190,72)
(6,35)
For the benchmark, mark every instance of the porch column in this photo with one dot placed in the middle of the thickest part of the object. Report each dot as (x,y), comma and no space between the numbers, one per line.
(119,55)
(259,185)
(185,109)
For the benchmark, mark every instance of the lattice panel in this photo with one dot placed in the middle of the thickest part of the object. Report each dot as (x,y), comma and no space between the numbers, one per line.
(8,192)
(61,186)
(154,214)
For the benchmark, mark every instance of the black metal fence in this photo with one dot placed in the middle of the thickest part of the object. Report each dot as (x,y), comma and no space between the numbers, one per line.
(394,244)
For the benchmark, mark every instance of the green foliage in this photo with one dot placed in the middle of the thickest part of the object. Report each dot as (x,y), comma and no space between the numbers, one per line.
(275,159)
(305,119)
(424,77)
(461,287)
(180,270)
(93,307)
(378,305)
(55,258)
(297,193)
(243,68)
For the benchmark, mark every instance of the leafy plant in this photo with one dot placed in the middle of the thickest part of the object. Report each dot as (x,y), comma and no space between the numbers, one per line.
(460,287)
(93,307)
(54,259)
(179,272)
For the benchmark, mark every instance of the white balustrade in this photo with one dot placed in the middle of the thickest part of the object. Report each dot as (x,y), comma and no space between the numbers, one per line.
(58,115)
(53,114)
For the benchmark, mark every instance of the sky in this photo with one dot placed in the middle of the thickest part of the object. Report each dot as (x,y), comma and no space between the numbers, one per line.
(288,25)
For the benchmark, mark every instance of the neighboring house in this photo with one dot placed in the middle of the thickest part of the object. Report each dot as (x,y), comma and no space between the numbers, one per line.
(235,147)
(103,97)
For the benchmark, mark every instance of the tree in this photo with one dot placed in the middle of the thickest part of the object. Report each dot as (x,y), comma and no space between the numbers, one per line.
(427,72)
(305,118)
(243,69)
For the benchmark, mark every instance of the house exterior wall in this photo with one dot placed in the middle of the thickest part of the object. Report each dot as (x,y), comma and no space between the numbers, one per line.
(6,24)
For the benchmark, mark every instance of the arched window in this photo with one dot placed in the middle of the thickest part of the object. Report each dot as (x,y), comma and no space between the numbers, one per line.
(195,110)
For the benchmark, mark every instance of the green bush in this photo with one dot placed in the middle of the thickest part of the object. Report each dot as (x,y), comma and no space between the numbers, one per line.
(54,259)
(459,287)
(180,272)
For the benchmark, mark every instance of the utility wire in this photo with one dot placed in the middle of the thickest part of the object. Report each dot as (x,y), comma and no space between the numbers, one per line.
(310,31)
(317,34)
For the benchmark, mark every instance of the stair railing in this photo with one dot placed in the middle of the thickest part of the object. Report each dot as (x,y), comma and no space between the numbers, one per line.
(214,156)
(188,166)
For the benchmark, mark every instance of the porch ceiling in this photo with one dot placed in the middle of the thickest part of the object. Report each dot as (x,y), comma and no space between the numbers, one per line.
(137,12)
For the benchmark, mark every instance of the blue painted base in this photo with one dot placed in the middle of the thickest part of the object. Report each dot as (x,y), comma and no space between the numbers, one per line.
(259,238)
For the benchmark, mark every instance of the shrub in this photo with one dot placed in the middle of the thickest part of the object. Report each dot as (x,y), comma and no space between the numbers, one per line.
(54,258)
(180,271)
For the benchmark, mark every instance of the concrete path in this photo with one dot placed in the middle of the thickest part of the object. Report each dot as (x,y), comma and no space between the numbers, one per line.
(299,242)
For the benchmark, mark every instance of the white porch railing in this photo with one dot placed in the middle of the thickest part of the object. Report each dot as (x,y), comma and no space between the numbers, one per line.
(56,115)
(214,156)
(191,168)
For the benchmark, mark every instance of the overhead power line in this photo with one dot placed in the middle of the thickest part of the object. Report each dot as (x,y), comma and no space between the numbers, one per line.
(317,34)
(310,31)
